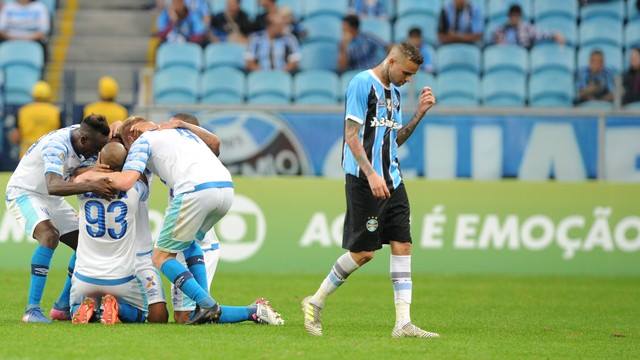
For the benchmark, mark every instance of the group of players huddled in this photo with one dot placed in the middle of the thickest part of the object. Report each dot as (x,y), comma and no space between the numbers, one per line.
(114,272)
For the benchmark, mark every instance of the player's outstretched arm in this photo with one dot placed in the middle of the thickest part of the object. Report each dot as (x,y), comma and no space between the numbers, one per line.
(120,181)
(376,182)
(56,185)
(209,138)
(425,103)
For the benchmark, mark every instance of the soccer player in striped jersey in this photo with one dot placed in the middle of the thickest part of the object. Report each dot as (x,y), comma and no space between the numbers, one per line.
(377,202)
(35,197)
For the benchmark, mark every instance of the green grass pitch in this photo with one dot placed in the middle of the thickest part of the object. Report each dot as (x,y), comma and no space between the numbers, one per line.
(479,317)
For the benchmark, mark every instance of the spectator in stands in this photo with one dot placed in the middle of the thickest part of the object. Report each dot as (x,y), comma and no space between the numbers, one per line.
(35,119)
(595,82)
(112,111)
(231,25)
(370,8)
(292,26)
(358,50)
(273,49)
(415,38)
(632,78)
(200,7)
(25,20)
(177,24)
(270,7)
(460,22)
(521,33)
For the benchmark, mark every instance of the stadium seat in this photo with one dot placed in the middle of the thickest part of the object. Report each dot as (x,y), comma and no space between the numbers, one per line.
(600,31)
(567,9)
(552,57)
(18,82)
(223,85)
(309,87)
(551,88)
(223,55)
(263,86)
(319,56)
(505,57)
(407,7)
(216,6)
(427,24)
(251,8)
(613,9)
(335,8)
(596,105)
(296,7)
(632,35)
(171,55)
(633,106)
(21,53)
(458,88)
(322,28)
(420,80)
(612,57)
(490,29)
(176,86)
(632,11)
(344,82)
(562,25)
(497,9)
(378,27)
(504,88)
(458,57)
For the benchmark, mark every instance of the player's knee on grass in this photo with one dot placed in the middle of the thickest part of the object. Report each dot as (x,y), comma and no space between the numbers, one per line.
(362,257)
(158,313)
(46,234)
(181,317)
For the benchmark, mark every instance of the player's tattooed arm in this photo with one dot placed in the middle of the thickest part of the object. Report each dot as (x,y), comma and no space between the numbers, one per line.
(425,103)
(376,182)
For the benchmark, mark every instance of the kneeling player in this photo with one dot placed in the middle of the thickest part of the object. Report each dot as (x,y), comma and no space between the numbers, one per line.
(106,252)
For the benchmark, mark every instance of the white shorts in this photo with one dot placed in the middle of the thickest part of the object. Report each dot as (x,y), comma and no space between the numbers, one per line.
(191,215)
(31,208)
(211,248)
(150,277)
(128,289)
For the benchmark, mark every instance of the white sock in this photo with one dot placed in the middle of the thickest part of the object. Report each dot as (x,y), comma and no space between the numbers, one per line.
(340,271)
(401,278)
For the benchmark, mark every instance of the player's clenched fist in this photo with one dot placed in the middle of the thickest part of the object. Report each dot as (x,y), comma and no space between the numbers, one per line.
(426,100)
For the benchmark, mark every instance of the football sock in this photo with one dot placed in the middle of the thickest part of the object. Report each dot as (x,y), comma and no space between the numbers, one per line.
(63,300)
(39,269)
(401,278)
(183,280)
(128,313)
(340,271)
(234,314)
(194,257)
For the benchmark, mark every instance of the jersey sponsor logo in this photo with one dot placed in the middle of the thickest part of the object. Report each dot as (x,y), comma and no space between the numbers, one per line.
(376,122)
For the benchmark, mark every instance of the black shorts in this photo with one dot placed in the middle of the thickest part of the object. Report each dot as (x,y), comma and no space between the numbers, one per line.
(369,222)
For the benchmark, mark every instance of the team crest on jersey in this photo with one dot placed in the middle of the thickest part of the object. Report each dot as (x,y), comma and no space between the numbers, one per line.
(372,224)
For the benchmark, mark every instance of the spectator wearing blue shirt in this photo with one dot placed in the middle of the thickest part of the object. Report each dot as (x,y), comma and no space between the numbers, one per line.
(595,82)
(358,50)
(415,38)
(370,8)
(177,24)
(521,33)
(273,49)
(460,22)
